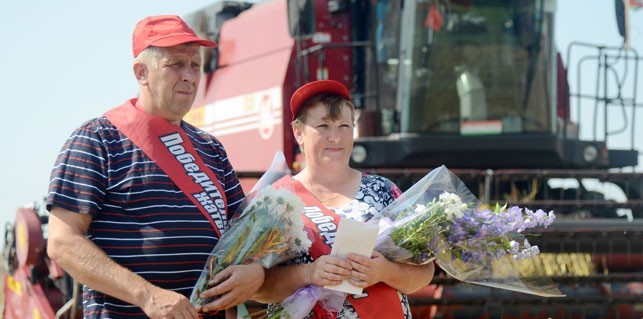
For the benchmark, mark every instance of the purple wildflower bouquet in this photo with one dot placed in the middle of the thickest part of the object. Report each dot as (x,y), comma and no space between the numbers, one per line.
(439,219)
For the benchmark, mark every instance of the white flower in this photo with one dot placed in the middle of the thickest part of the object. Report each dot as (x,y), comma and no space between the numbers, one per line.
(292,206)
(514,246)
(451,198)
(453,206)
(528,251)
(284,208)
(419,208)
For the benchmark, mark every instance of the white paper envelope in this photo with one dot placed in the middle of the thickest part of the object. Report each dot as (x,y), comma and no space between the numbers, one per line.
(353,237)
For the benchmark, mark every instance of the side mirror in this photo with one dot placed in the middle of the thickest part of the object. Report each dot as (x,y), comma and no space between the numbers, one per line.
(207,23)
(619,10)
(301,18)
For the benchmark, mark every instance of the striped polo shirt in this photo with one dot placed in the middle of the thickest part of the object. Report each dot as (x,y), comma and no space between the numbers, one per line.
(141,219)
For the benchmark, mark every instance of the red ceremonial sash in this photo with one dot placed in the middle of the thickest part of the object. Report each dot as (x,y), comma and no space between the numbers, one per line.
(377,301)
(170,148)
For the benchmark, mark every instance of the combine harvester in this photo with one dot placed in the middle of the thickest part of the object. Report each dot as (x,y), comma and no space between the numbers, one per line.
(476,85)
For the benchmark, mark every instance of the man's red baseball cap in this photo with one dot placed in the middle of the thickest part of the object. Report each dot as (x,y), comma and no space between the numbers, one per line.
(314,88)
(164,31)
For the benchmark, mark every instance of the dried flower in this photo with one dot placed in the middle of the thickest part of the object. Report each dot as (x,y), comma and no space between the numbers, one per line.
(269,231)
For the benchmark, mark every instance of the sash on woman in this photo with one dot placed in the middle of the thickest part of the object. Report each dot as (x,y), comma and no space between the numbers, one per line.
(377,301)
(170,148)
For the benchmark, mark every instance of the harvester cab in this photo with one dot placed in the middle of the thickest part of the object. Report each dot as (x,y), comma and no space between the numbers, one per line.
(476,84)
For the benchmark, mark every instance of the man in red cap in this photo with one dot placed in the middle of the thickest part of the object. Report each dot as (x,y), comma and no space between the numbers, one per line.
(138,198)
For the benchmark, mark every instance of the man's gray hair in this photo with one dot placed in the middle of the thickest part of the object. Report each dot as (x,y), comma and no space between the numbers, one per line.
(151,56)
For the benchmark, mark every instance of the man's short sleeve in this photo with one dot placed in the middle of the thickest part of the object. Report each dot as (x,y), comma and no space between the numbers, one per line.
(79,177)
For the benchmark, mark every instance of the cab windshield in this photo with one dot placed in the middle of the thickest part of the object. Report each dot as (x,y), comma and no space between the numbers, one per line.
(467,61)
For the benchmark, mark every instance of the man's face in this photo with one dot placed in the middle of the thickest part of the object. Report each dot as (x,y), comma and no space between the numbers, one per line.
(173,83)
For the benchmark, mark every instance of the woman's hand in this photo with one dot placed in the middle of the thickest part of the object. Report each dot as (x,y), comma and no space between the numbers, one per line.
(328,271)
(367,271)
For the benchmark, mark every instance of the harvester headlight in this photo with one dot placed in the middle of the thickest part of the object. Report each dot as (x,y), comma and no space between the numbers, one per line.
(359,154)
(590,153)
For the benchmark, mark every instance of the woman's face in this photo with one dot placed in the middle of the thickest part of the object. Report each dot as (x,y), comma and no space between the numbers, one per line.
(325,141)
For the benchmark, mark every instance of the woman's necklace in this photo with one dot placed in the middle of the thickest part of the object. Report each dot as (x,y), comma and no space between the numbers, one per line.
(312,191)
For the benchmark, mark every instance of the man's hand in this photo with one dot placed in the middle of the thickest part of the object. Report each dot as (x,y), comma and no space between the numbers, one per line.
(232,286)
(82,259)
(167,304)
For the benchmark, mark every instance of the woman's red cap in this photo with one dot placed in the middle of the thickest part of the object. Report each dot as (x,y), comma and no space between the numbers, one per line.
(314,88)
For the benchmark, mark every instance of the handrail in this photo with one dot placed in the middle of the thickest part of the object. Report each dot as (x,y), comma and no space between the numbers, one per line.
(71,305)
(607,59)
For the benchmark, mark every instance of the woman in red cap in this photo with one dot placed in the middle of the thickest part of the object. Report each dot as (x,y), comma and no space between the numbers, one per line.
(323,123)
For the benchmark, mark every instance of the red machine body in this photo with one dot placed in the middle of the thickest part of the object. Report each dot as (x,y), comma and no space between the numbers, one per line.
(245,100)
(29,276)
(476,85)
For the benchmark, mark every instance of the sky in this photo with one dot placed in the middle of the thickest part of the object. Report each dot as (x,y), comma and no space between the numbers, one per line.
(64,62)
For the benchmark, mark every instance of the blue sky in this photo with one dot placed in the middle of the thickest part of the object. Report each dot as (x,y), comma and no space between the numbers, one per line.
(64,62)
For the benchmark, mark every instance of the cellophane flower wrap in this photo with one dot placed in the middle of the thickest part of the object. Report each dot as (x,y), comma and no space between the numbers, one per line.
(301,303)
(267,229)
(439,219)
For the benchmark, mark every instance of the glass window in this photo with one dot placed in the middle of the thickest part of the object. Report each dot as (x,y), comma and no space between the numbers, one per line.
(472,60)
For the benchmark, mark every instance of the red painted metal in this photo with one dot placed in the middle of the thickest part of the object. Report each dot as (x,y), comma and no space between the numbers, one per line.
(26,300)
(254,56)
(332,28)
(28,293)
(29,241)
(247,147)
(254,53)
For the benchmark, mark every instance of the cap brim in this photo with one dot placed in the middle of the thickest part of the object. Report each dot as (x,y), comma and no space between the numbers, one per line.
(181,39)
(314,88)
